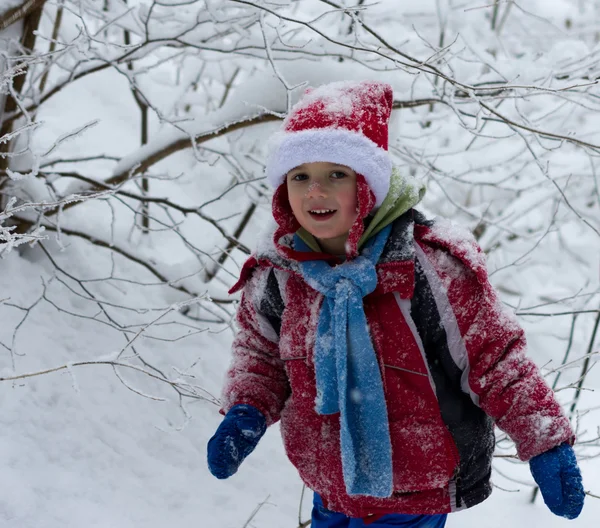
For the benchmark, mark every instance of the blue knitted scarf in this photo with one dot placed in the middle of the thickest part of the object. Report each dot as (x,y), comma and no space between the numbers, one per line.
(347,371)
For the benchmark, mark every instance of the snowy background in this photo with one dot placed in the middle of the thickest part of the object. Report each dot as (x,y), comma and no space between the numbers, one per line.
(115,330)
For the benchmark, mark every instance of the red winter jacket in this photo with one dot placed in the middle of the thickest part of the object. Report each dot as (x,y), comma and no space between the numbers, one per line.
(452,359)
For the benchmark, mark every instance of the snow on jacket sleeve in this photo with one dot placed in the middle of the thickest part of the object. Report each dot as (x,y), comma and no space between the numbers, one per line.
(487,343)
(256,375)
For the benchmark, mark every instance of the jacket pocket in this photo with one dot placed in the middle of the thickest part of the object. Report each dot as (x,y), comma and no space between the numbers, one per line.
(408,389)
(300,373)
(407,384)
(424,456)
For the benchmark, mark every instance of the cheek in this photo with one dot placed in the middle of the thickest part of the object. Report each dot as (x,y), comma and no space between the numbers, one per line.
(349,202)
(295,200)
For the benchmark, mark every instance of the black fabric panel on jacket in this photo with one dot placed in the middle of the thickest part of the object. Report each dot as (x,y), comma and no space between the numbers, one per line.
(399,245)
(271,303)
(471,429)
(419,218)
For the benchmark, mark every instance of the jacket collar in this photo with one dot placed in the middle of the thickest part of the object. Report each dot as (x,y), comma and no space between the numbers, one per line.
(395,268)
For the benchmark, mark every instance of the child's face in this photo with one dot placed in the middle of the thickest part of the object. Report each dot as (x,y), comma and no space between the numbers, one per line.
(322,186)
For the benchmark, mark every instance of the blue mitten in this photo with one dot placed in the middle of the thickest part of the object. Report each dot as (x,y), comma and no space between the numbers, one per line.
(236,437)
(558,476)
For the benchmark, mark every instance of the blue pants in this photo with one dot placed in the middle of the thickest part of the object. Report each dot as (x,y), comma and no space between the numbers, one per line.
(324,518)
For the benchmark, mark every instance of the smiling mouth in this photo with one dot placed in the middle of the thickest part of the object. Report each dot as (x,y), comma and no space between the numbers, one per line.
(322,214)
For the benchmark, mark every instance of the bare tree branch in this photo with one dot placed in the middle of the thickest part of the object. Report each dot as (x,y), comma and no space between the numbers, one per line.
(122,252)
(17,13)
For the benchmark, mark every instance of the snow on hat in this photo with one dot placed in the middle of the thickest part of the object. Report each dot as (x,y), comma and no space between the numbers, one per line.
(342,122)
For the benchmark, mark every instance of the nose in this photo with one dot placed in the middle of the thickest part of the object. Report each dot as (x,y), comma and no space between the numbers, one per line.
(316,190)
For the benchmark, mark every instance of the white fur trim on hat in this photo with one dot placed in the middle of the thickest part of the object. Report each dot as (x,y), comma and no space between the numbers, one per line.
(335,145)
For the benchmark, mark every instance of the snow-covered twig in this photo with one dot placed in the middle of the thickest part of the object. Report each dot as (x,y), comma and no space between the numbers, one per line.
(190,391)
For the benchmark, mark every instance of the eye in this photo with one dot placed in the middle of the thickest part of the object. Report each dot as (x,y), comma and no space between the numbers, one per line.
(299,177)
(338,175)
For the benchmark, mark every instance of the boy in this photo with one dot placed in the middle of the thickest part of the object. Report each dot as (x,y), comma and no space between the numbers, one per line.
(376,338)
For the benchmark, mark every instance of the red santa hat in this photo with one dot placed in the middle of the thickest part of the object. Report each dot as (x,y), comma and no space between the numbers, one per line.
(342,122)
